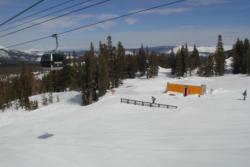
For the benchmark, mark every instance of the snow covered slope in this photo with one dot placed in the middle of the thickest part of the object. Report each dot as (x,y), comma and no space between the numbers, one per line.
(11,56)
(210,131)
(34,52)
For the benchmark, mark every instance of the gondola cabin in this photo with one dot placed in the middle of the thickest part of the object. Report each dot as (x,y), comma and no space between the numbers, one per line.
(53,60)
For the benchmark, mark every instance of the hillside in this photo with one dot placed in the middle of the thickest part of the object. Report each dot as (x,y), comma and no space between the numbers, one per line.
(210,131)
(12,57)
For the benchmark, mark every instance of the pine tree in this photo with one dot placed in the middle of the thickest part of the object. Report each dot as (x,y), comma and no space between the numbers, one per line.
(245,57)
(178,65)
(82,79)
(185,59)
(115,78)
(25,87)
(172,62)
(131,65)
(153,65)
(96,86)
(103,70)
(238,54)
(14,89)
(181,62)
(194,59)
(120,62)
(248,60)
(90,61)
(209,69)
(1,95)
(68,77)
(142,61)
(112,57)
(219,58)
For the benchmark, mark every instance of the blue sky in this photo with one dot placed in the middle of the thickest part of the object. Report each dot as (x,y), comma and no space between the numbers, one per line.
(194,21)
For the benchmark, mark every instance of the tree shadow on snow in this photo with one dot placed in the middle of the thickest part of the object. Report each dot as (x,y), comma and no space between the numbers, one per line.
(45,136)
(240,99)
(76,99)
(169,75)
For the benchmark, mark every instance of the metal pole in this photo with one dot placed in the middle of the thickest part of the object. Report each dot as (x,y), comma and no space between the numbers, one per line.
(51,60)
(56,38)
(53,51)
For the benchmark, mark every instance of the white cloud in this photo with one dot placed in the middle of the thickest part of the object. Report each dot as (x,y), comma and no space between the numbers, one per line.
(99,17)
(201,36)
(164,11)
(106,25)
(75,21)
(131,21)
(79,20)
(66,22)
(207,2)
(190,5)
(168,11)
(192,35)
(106,16)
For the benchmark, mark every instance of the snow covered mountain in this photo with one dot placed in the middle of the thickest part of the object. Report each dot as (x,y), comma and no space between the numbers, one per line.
(157,49)
(203,50)
(11,56)
(34,52)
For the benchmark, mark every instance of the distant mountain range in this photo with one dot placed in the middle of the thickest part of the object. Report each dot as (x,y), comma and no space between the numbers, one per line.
(12,57)
(158,49)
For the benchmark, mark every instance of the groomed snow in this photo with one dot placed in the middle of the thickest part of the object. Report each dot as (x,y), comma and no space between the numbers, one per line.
(210,131)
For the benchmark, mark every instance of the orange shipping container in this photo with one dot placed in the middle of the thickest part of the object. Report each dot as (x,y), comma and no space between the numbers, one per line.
(186,89)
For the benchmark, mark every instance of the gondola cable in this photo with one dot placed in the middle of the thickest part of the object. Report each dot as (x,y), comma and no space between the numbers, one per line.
(22,12)
(54,18)
(40,12)
(99,22)
(45,16)
(55,61)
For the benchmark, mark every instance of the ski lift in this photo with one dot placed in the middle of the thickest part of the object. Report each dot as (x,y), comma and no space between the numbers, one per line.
(53,60)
